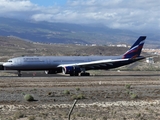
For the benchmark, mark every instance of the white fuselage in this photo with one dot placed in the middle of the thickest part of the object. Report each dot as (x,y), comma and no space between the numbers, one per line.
(49,62)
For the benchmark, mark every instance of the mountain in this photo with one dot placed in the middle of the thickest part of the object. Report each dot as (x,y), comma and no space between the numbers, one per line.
(66,33)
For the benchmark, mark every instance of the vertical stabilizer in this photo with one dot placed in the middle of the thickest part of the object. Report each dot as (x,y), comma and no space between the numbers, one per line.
(136,48)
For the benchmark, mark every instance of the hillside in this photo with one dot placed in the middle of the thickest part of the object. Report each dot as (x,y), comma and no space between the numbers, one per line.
(13,47)
(65,33)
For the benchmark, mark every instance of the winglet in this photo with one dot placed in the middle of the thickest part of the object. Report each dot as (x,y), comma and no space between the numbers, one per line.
(136,48)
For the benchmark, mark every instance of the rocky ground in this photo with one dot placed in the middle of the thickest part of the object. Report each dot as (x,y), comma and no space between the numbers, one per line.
(122,95)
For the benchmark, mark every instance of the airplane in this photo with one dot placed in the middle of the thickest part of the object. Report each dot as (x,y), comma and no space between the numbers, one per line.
(75,65)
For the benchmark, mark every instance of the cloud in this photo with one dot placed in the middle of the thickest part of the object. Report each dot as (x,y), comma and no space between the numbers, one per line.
(15,5)
(126,14)
(17,8)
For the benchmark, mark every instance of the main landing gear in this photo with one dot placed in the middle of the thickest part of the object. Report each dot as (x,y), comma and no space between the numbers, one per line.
(81,74)
(74,74)
(85,74)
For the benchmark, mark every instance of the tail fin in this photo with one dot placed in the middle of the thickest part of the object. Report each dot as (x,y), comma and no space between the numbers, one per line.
(136,48)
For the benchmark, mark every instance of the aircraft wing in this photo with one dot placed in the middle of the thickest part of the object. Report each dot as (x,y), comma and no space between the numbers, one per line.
(94,63)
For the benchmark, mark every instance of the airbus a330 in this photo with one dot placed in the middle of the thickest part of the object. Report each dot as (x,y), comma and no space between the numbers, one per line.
(75,65)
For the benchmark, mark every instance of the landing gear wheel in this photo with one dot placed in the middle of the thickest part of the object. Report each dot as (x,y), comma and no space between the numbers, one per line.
(85,74)
(74,74)
(71,74)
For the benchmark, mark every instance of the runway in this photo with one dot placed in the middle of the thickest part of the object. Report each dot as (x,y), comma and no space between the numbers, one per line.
(102,74)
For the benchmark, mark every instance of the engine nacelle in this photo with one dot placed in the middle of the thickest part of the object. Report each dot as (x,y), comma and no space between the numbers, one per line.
(71,69)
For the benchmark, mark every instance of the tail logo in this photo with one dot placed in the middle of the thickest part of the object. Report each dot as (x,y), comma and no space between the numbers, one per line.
(136,49)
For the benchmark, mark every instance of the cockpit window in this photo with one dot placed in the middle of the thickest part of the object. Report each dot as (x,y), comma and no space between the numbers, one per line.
(9,61)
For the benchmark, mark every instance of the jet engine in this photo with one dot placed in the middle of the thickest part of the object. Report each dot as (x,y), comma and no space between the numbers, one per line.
(72,70)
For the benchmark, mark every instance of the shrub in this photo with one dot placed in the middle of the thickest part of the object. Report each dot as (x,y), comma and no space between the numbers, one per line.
(18,115)
(128,86)
(29,97)
(78,89)
(31,118)
(133,96)
(66,92)
(128,92)
(78,97)
(74,97)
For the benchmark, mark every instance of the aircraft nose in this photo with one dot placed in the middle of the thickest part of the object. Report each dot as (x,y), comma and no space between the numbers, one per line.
(6,64)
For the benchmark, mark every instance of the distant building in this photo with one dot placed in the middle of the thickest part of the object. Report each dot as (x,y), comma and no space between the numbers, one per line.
(122,45)
(94,45)
(150,60)
(119,45)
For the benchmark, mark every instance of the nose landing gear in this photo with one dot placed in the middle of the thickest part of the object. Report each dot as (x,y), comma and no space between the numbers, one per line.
(19,73)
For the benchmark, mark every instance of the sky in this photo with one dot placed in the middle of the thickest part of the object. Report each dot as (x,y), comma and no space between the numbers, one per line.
(121,14)
(48,2)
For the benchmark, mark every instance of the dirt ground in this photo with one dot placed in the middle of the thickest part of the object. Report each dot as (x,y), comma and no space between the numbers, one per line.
(122,95)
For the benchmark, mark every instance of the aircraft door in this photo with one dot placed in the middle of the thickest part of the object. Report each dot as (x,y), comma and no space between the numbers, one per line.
(18,61)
